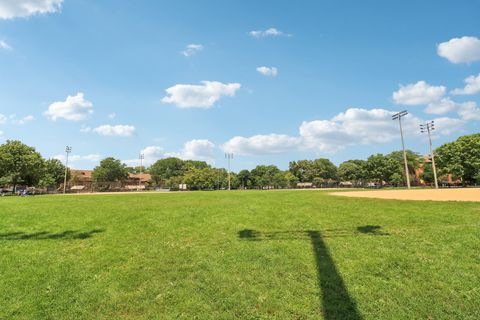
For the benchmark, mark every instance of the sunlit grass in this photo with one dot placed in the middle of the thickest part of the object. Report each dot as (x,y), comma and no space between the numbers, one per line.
(228,255)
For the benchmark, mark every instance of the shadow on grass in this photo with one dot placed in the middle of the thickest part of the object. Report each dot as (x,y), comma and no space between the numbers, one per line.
(44,235)
(336,301)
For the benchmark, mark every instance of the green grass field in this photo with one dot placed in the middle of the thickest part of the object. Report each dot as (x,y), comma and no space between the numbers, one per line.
(230,255)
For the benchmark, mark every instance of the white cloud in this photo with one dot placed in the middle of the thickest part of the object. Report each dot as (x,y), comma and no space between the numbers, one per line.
(21,121)
(458,50)
(192,49)
(466,110)
(446,126)
(262,144)
(199,96)
(418,94)
(112,115)
(443,106)
(3,118)
(469,111)
(472,86)
(10,9)
(353,127)
(268,71)
(76,158)
(4,45)
(270,32)
(200,149)
(151,154)
(118,130)
(74,108)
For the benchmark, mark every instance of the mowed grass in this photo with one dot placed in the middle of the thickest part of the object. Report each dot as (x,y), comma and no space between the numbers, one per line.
(239,254)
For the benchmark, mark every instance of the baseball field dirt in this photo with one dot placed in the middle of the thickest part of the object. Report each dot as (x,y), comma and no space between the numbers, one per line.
(456,194)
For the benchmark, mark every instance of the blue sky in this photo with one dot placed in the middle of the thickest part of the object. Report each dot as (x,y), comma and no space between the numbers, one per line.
(270,81)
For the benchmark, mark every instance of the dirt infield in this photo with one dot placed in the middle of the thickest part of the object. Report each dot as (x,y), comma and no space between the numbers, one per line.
(459,194)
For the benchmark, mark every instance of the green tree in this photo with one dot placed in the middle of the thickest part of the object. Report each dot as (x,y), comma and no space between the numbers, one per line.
(353,171)
(324,168)
(244,179)
(263,176)
(167,168)
(20,163)
(461,158)
(427,173)
(109,170)
(380,167)
(206,178)
(53,173)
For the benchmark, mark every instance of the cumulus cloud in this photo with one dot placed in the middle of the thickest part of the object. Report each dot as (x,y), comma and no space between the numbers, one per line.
(268,71)
(76,158)
(4,45)
(10,9)
(24,120)
(150,155)
(199,96)
(460,50)
(3,118)
(469,111)
(262,144)
(197,149)
(472,86)
(117,130)
(112,115)
(352,127)
(270,32)
(192,49)
(466,110)
(443,106)
(418,94)
(74,108)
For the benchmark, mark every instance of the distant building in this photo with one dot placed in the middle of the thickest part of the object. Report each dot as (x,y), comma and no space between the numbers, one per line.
(82,180)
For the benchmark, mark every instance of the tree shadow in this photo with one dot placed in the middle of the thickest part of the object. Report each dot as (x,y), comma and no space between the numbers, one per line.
(335,299)
(372,230)
(44,235)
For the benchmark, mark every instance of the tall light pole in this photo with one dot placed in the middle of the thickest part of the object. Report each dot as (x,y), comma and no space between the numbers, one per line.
(67,151)
(428,128)
(229,157)
(399,116)
(140,157)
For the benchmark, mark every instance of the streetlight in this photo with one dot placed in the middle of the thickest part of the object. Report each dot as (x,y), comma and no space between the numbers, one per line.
(141,157)
(399,116)
(428,128)
(229,157)
(67,151)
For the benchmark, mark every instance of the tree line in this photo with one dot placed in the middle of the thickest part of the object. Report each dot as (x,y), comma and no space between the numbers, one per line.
(22,164)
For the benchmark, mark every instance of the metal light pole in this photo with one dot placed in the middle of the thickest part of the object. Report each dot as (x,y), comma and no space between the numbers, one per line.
(67,151)
(141,157)
(399,116)
(428,128)
(229,157)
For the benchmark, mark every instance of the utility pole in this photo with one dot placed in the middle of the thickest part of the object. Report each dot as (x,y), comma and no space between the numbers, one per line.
(67,151)
(229,157)
(399,116)
(141,157)
(428,128)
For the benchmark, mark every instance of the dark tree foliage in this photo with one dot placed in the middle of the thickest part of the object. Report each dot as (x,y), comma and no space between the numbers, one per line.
(20,163)
(461,158)
(109,170)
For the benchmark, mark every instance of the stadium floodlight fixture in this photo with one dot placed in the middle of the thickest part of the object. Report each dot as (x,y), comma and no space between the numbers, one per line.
(399,116)
(229,157)
(428,128)
(141,157)
(67,151)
